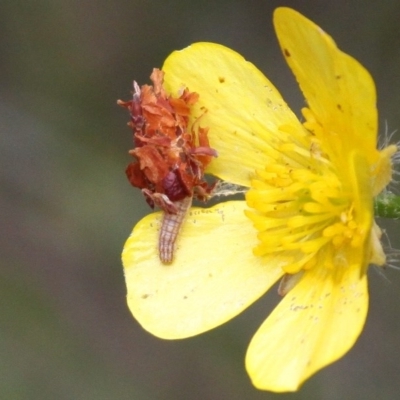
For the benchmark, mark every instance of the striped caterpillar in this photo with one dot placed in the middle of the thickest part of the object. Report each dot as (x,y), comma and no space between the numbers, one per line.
(170,226)
(170,159)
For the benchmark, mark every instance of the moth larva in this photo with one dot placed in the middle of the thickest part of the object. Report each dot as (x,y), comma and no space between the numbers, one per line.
(170,226)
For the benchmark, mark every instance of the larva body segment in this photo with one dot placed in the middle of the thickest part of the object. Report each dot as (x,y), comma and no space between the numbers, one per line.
(170,226)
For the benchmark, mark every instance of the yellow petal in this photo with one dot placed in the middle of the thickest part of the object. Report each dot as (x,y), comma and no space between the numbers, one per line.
(315,324)
(244,110)
(359,177)
(214,275)
(338,89)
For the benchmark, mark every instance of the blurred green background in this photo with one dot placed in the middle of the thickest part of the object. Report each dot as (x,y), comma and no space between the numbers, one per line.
(67,207)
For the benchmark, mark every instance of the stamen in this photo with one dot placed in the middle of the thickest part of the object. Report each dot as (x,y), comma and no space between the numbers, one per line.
(300,206)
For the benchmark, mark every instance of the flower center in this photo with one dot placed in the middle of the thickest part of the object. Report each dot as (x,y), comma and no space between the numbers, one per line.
(302,207)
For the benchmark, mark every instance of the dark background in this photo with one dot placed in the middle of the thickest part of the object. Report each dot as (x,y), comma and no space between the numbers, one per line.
(66,207)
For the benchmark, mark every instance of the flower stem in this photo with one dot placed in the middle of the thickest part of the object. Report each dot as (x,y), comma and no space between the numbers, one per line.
(387,205)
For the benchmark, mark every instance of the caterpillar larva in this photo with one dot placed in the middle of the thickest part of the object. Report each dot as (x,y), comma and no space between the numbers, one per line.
(170,227)
(169,158)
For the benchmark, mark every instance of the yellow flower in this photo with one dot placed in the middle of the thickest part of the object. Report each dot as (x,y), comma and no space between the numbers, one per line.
(308,216)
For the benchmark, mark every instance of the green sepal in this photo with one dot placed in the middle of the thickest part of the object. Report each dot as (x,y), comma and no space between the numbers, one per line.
(387,205)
